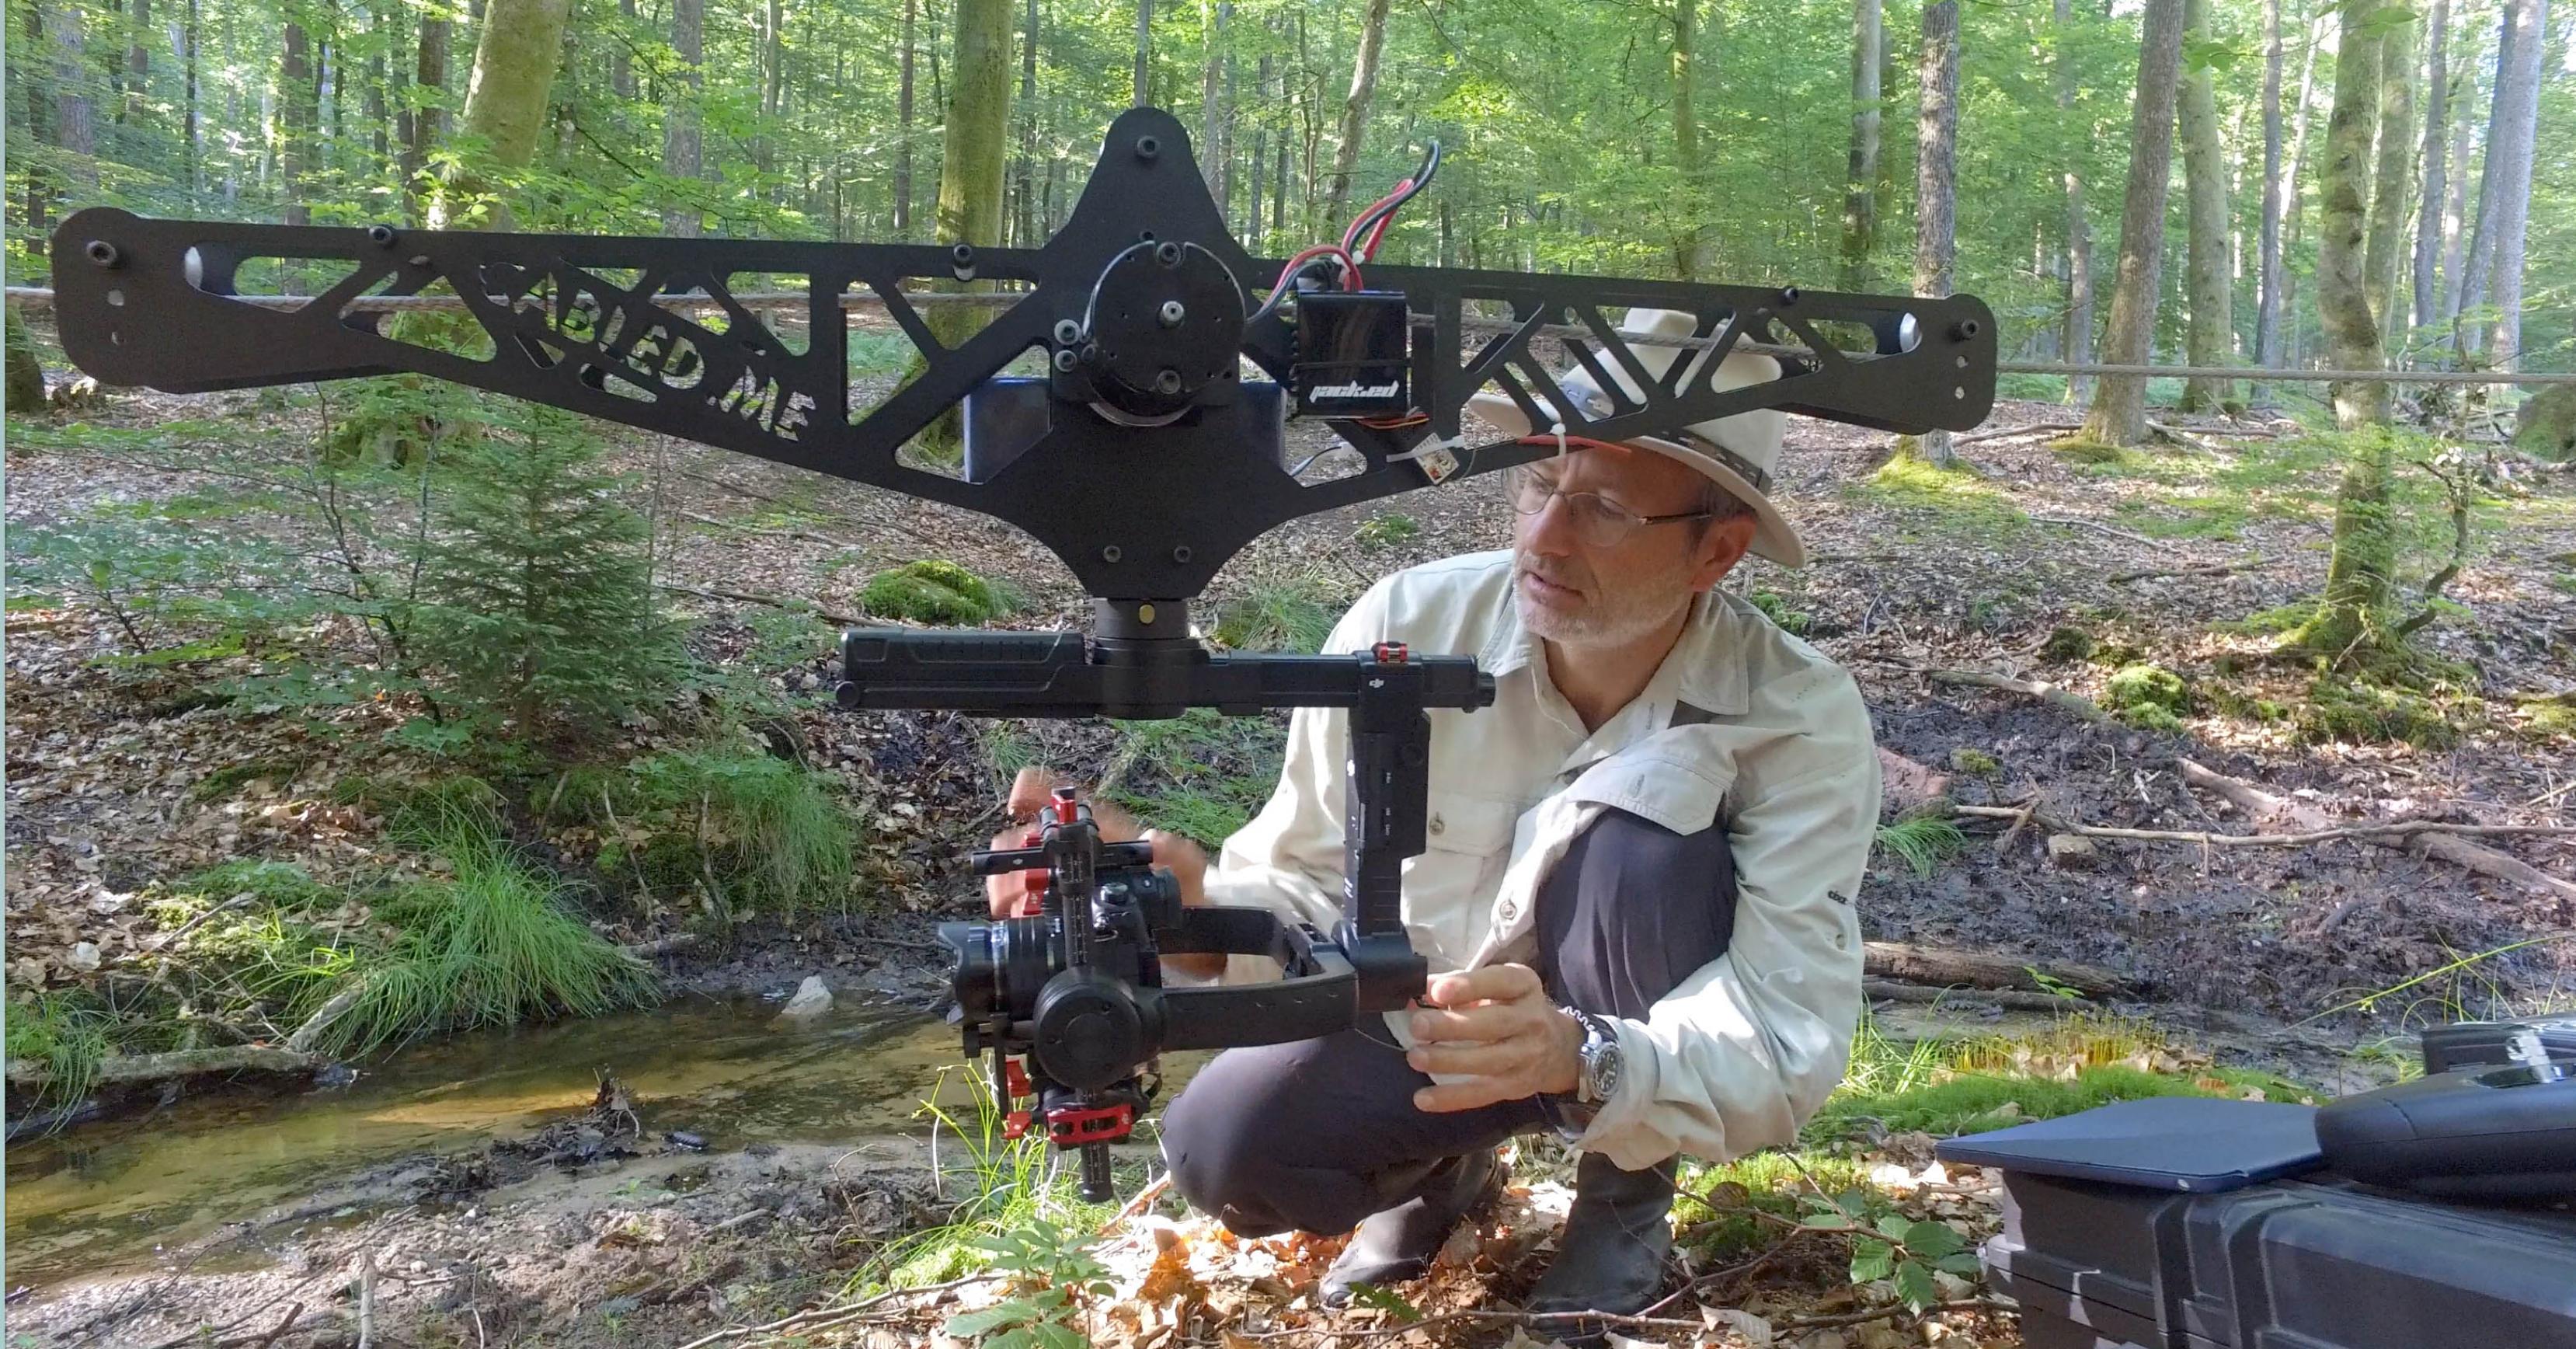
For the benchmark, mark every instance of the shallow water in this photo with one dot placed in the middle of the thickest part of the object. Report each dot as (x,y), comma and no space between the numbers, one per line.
(102,1198)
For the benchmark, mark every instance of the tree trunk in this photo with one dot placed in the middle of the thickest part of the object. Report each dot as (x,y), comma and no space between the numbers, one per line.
(1144,82)
(194,157)
(1936,179)
(2267,267)
(379,128)
(2514,143)
(2119,412)
(428,125)
(2343,286)
(1258,165)
(1024,181)
(505,108)
(1346,154)
(621,61)
(973,148)
(680,138)
(2504,189)
(75,119)
(38,126)
(1860,180)
(138,64)
(2079,229)
(298,97)
(2210,338)
(2455,204)
(1687,229)
(1213,151)
(26,374)
(903,130)
(2437,132)
(2385,251)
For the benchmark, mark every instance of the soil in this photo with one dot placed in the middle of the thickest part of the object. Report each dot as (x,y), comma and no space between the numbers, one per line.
(102,762)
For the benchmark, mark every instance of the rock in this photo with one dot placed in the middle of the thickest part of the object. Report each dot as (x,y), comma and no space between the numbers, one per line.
(84,956)
(1905,786)
(2073,852)
(813,998)
(2547,425)
(682,1138)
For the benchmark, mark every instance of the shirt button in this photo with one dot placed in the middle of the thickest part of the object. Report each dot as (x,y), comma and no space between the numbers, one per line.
(1506,912)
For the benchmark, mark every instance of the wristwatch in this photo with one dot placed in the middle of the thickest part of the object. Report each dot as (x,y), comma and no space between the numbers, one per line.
(1601,1059)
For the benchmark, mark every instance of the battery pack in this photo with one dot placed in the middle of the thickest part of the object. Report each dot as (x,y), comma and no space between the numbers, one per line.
(1352,358)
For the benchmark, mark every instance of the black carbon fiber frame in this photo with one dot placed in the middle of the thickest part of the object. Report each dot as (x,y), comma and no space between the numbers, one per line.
(1137,513)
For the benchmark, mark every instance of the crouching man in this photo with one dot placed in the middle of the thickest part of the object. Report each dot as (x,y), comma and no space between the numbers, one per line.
(1637,898)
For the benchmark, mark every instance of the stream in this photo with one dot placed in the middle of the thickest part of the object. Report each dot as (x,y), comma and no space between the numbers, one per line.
(102,1199)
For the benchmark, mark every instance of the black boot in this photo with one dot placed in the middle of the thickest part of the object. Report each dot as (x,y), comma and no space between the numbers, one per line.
(1399,1244)
(1610,1256)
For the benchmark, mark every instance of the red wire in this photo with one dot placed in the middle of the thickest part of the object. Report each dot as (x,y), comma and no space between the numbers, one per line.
(1380,232)
(1349,236)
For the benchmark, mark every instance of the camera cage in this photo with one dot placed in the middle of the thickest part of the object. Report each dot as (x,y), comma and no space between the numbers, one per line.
(1144,458)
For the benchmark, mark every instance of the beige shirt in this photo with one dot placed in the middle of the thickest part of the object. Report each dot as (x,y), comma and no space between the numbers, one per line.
(1742,722)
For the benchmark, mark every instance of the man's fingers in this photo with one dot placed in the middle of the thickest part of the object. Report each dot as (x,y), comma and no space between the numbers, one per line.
(1475,1023)
(1468,1095)
(1030,790)
(1478,1060)
(1495,983)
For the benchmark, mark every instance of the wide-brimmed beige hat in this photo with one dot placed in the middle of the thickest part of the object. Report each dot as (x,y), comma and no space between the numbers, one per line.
(1738,453)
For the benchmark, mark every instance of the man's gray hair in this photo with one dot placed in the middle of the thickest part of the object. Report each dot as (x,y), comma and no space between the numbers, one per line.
(1721,506)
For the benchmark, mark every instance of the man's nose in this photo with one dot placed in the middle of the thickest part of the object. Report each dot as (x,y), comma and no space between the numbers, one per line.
(1551,531)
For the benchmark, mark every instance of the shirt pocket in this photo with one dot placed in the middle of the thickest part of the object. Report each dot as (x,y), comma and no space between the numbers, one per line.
(1469,842)
(1683,796)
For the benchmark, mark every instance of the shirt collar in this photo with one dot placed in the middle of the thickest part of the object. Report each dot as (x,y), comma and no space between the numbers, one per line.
(1704,670)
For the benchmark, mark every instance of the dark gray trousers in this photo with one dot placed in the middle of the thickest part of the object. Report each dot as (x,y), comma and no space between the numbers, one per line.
(1318,1134)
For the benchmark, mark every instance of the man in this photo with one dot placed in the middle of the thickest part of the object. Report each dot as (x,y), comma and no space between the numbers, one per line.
(1637,899)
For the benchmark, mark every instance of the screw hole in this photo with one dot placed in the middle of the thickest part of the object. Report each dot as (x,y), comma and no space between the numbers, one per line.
(1959,393)
(116,297)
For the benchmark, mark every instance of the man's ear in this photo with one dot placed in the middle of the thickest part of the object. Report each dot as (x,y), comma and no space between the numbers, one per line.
(1721,546)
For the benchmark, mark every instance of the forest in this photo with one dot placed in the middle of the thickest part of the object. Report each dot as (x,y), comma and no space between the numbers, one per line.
(445,906)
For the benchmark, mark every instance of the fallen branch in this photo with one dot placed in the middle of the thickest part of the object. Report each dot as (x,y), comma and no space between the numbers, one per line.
(2014,998)
(117,1069)
(2080,523)
(740,490)
(792,535)
(2072,702)
(1941,967)
(2020,822)
(2007,433)
(2189,441)
(2374,833)
(662,946)
(1144,1200)
(2211,569)
(310,1033)
(772,601)
(817,1317)
(2437,840)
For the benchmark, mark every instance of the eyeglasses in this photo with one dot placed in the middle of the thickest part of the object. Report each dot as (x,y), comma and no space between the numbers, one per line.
(1598,520)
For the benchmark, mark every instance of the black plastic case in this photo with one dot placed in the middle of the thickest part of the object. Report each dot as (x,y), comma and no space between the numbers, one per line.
(2464,1044)
(2326,1264)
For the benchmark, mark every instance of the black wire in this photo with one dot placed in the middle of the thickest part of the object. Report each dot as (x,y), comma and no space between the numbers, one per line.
(1287,286)
(1421,179)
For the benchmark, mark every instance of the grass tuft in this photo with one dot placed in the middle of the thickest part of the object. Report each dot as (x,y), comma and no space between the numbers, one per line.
(68,1033)
(1278,616)
(1922,842)
(932,591)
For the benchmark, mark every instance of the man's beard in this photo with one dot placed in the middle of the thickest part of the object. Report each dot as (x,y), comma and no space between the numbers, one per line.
(1602,617)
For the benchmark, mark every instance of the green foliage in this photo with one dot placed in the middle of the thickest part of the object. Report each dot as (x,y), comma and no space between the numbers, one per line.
(273,885)
(1974,762)
(2067,644)
(1949,498)
(177,591)
(1921,842)
(2554,715)
(2367,709)
(931,591)
(1063,1271)
(1386,529)
(68,1032)
(1794,622)
(490,946)
(540,608)
(2147,695)
(1199,774)
(1294,615)
(762,833)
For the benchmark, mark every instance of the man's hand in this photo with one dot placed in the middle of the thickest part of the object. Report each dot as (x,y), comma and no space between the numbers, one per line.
(1497,1026)
(1030,792)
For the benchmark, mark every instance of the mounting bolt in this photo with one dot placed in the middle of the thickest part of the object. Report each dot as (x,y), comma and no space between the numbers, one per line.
(963,255)
(1147,147)
(1167,381)
(1145,614)
(1172,313)
(1112,553)
(382,236)
(1065,360)
(1788,295)
(103,253)
(1067,332)
(1181,553)
(1966,330)
(1168,253)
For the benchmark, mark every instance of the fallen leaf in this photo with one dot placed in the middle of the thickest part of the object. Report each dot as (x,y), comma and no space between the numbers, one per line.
(1756,1330)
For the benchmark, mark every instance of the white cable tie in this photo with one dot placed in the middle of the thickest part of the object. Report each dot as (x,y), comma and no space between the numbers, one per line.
(1558,430)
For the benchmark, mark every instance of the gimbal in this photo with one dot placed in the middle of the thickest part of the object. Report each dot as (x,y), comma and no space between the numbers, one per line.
(1148,453)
